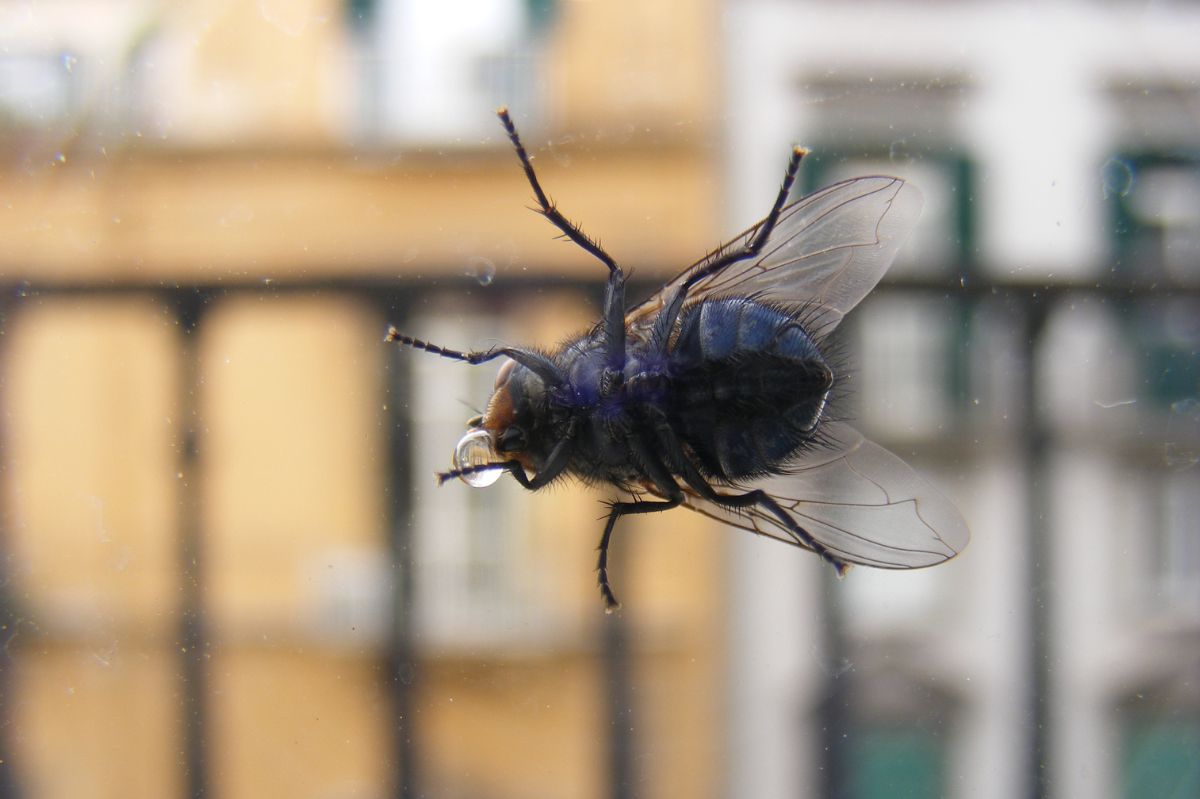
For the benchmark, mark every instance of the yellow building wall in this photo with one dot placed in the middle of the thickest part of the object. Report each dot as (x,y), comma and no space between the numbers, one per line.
(293,487)
(245,217)
(628,66)
(91,441)
(257,188)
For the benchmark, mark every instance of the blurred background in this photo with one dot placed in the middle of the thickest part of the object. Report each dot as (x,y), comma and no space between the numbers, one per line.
(227,570)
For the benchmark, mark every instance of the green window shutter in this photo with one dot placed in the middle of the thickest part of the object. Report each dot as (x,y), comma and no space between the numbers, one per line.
(896,764)
(1161,759)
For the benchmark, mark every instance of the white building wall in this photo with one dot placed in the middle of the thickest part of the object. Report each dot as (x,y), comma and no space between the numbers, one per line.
(1032,111)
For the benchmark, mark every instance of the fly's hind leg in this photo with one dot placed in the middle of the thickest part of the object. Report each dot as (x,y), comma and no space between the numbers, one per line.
(767,502)
(683,465)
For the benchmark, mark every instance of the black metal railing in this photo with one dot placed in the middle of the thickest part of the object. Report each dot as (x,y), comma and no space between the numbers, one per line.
(1031,305)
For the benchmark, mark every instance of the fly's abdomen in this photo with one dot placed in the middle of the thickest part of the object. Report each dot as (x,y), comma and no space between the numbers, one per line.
(749,386)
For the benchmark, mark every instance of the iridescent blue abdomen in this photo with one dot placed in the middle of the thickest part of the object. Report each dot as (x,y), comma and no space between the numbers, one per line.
(748,385)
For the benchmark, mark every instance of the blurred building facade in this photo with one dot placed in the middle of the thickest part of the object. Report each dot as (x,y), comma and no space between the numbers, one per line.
(228,569)
(1054,391)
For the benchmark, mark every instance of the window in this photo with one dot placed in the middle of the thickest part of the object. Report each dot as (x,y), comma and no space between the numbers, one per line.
(1176,565)
(433,69)
(1155,205)
(942,240)
(1163,560)
(1155,199)
(36,88)
(912,376)
(1159,757)
(901,762)
(471,582)
(904,377)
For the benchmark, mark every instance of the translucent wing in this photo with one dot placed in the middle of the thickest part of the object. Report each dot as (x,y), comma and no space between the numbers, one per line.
(860,501)
(827,252)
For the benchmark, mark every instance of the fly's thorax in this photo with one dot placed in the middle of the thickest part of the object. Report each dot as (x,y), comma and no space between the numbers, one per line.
(584,361)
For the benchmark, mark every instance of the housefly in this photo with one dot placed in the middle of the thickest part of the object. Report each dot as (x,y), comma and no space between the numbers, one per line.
(714,393)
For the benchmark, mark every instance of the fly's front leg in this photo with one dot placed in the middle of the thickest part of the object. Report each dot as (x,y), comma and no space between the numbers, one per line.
(614,323)
(547,208)
(556,464)
(614,293)
(535,361)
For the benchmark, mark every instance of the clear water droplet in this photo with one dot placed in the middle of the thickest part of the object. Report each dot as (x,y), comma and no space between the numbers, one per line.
(1118,178)
(475,449)
(483,270)
(1183,430)
(899,153)
(559,149)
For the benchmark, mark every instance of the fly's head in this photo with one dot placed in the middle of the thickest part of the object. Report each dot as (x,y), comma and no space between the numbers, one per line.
(505,432)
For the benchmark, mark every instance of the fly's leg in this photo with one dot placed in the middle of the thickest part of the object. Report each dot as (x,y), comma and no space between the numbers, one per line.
(534,361)
(675,455)
(670,312)
(664,484)
(760,237)
(569,229)
(767,502)
(556,463)
(614,292)
(616,511)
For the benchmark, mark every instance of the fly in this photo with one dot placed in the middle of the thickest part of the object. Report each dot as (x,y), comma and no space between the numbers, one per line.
(714,393)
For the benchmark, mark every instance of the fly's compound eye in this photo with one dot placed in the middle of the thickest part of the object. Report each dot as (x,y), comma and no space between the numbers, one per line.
(505,372)
(474,450)
(512,440)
